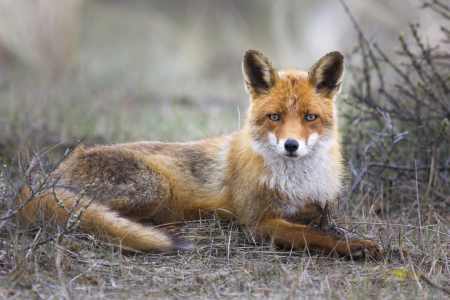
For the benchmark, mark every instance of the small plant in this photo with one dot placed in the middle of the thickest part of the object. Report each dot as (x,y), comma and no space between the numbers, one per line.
(38,178)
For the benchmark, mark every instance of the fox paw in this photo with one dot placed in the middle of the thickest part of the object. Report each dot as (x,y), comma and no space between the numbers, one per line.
(358,249)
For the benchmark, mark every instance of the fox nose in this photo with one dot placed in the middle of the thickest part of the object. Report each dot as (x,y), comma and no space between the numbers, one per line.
(291,145)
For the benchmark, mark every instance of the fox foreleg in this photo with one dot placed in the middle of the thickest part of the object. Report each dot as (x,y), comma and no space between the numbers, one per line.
(297,236)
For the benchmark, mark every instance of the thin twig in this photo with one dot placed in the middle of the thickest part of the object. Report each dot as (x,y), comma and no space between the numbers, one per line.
(428,281)
(418,209)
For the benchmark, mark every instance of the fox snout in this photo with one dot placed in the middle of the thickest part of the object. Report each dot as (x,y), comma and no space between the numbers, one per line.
(291,146)
(295,148)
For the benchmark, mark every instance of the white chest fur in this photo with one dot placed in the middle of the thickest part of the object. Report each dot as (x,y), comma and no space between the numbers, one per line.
(307,179)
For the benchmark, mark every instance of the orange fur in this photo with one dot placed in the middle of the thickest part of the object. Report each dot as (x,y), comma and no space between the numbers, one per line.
(275,174)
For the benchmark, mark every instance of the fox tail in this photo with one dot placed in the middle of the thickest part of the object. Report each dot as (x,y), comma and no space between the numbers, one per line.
(97,218)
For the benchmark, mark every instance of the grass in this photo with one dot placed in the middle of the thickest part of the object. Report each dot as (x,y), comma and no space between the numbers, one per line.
(225,263)
(98,89)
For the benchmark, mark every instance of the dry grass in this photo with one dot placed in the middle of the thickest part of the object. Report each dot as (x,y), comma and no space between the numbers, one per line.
(81,90)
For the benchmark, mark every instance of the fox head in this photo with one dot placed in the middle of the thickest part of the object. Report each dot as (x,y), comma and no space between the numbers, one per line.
(292,112)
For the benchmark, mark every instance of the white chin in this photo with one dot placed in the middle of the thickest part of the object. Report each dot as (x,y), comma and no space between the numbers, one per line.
(292,157)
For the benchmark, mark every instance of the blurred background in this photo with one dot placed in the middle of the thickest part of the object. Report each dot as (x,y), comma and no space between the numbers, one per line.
(117,71)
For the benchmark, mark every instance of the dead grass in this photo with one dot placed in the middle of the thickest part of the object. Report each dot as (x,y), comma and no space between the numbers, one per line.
(225,263)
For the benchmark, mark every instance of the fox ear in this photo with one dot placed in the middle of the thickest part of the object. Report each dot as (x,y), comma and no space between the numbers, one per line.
(260,75)
(326,74)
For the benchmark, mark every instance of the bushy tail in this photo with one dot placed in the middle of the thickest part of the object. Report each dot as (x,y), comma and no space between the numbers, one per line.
(97,218)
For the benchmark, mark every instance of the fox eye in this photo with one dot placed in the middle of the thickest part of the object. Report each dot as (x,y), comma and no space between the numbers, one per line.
(274,117)
(310,118)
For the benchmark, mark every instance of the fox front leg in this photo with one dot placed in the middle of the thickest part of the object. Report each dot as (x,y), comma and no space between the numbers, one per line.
(287,235)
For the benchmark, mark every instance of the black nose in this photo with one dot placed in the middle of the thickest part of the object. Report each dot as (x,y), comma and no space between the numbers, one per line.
(291,145)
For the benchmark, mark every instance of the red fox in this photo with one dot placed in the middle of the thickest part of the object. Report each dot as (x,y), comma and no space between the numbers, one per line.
(275,174)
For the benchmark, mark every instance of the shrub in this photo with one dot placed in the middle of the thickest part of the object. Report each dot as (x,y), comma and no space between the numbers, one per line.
(398,142)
